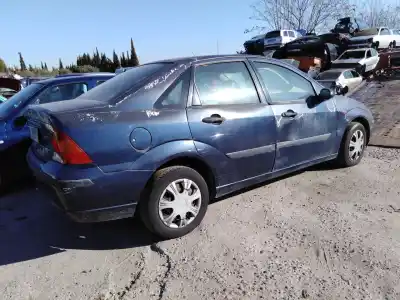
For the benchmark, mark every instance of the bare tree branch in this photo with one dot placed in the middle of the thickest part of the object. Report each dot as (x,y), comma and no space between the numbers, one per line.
(297,14)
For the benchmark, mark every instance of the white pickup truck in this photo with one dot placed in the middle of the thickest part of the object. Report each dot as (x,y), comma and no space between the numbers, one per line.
(378,38)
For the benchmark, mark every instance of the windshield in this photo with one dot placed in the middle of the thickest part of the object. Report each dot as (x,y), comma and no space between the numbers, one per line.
(19,99)
(273,34)
(122,83)
(352,54)
(328,75)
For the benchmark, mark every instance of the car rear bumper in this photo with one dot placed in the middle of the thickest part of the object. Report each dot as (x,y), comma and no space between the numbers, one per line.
(89,195)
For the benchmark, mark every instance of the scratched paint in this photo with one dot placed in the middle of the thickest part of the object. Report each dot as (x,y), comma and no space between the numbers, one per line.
(164,77)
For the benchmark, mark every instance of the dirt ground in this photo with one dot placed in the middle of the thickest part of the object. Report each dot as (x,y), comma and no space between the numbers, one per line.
(382,98)
(319,234)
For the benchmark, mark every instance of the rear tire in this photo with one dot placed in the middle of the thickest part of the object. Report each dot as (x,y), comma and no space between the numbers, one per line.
(353,145)
(182,207)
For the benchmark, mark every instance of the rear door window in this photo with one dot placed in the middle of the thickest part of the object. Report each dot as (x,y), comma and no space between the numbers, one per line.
(225,84)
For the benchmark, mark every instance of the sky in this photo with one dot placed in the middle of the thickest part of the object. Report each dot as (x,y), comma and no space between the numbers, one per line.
(46,30)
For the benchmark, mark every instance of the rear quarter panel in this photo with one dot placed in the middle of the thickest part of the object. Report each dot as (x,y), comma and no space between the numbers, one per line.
(106,135)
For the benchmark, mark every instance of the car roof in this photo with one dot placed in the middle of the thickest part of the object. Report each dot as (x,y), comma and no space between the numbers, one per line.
(66,79)
(202,58)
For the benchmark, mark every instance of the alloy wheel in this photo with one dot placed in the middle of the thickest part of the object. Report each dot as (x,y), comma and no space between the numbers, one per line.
(356,145)
(179,203)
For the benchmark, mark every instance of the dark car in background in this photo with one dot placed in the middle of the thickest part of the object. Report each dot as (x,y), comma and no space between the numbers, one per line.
(14,134)
(349,26)
(164,138)
(309,46)
(9,87)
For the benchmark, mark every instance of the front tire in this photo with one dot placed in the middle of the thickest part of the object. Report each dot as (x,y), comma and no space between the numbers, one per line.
(177,202)
(353,145)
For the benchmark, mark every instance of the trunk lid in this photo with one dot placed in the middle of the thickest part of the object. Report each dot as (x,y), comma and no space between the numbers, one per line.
(44,122)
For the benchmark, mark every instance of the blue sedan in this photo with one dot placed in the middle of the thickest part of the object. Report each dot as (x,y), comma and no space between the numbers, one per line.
(164,138)
(14,135)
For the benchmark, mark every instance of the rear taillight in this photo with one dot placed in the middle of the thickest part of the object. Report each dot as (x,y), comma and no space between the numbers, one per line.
(67,151)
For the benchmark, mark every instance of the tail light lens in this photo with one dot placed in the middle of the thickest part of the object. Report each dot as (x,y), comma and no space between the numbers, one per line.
(67,151)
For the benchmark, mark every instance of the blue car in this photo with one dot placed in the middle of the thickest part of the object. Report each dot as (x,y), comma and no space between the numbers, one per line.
(14,135)
(165,138)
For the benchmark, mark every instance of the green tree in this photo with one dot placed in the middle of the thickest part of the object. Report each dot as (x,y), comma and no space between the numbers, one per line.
(22,62)
(134,60)
(64,71)
(123,60)
(3,66)
(60,64)
(45,67)
(96,59)
(116,63)
(31,68)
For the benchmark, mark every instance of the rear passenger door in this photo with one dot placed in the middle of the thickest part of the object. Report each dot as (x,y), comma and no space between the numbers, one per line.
(233,128)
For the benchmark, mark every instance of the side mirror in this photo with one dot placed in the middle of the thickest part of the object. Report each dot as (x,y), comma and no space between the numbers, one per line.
(19,122)
(325,94)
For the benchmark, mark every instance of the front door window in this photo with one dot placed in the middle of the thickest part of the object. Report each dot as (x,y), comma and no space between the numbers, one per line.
(61,92)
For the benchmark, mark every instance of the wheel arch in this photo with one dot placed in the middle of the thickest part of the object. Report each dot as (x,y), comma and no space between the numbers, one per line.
(363,121)
(193,162)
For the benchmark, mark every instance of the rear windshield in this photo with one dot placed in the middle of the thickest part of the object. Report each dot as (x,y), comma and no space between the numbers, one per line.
(13,104)
(329,75)
(353,54)
(273,34)
(121,84)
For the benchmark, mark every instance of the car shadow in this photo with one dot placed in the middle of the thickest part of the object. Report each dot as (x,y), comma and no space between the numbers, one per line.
(31,227)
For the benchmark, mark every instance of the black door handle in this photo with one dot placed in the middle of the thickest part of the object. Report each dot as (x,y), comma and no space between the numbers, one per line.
(289,114)
(213,119)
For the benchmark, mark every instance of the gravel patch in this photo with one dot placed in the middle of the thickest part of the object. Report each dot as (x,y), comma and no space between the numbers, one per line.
(320,234)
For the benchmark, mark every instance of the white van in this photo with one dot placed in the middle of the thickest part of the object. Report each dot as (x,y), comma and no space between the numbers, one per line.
(278,38)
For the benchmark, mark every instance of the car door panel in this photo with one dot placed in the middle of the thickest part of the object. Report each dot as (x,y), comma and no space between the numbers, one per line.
(242,130)
(306,129)
(246,138)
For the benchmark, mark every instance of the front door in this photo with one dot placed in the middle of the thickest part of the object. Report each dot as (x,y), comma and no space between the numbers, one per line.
(232,128)
(306,131)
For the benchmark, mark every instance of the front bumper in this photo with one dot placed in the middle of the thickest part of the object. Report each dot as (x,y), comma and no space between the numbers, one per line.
(89,195)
